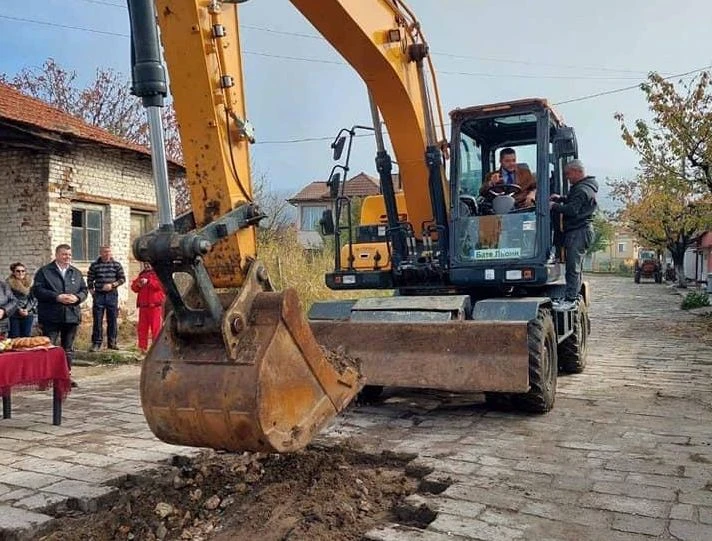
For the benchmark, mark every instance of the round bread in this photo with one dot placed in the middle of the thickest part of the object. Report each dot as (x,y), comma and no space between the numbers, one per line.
(30,342)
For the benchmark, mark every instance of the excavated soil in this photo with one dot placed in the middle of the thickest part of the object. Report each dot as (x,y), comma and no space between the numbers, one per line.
(341,361)
(317,494)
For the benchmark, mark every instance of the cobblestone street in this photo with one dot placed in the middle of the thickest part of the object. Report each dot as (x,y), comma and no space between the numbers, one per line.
(625,455)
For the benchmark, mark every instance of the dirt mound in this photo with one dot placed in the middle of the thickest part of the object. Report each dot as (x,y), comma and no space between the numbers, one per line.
(316,494)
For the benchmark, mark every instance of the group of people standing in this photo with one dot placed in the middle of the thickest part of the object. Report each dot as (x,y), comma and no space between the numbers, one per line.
(55,296)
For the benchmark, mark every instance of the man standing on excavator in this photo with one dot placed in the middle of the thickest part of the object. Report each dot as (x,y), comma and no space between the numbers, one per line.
(577,208)
(510,173)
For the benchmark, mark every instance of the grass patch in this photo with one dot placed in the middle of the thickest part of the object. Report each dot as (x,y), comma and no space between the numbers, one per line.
(290,265)
(695,299)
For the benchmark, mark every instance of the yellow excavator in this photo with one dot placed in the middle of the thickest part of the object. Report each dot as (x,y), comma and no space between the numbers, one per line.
(238,366)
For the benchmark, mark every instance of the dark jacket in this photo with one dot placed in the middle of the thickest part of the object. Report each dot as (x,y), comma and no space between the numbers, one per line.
(49,284)
(579,206)
(8,302)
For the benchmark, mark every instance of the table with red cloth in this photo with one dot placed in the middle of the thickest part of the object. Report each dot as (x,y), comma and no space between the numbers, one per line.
(36,368)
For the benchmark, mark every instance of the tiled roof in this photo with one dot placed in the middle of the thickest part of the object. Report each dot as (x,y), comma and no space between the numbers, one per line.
(357,186)
(21,109)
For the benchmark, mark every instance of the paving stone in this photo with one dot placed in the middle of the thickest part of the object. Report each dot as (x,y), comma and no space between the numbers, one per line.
(683,511)
(16,494)
(402,533)
(15,522)
(28,479)
(476,529)
(52,453)
(625,504)
(85,494)
(636,524)
(705,515)
(40,501)
(690,531)
(566,513)
(636,491)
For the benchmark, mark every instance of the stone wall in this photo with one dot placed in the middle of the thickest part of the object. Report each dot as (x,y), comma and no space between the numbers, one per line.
(39,189)
(24,209)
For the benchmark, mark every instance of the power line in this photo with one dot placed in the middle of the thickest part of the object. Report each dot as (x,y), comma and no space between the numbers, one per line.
(572,100)
(335,62)
(310,139)
(438,53)
(632,87)
(104,3)
(57,25)
(527,76)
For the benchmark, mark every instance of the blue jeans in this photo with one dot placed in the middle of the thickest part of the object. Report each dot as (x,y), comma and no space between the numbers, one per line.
(21,326)
(105,303)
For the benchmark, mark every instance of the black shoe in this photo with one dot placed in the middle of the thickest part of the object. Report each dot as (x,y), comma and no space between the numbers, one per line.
(113,346)
(95,347)
(74,384)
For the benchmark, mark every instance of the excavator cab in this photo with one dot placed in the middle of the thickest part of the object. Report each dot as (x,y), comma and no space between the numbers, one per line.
(500,239)
(472,309)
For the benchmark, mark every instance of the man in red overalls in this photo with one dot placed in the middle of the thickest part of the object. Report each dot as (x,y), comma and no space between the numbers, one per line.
(150,305)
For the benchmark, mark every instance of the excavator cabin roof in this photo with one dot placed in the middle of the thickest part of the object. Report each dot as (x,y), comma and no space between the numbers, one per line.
(513,106)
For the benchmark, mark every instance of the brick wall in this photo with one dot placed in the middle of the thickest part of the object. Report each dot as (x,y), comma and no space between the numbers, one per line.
(38,190)
(114,181)
(24,209)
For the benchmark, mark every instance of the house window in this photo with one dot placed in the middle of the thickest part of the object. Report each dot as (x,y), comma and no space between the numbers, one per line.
(310,218)
(87,232)
(621,247)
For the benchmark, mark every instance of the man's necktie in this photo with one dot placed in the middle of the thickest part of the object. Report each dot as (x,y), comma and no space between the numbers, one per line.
(510,177)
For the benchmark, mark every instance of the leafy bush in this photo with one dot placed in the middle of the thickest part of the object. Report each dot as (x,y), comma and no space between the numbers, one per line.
(695,299)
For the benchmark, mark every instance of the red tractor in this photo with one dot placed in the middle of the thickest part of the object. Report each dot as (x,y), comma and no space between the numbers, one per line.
(648,265)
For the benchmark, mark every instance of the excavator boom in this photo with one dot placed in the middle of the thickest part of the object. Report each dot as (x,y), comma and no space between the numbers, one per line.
(236,366)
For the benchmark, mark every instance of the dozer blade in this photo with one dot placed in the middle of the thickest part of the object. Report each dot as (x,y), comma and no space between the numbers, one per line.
(273,396)
(461,356)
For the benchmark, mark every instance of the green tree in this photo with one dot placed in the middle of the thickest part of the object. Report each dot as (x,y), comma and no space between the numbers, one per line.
(602,233)
(677,142)
(665,213)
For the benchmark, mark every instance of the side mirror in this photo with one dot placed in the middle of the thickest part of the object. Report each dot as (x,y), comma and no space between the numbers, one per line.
(338,147)
(565,143)
(333,185)
(327,222)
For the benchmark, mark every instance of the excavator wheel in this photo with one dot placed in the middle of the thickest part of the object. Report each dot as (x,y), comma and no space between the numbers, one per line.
(574,350)
(543,366)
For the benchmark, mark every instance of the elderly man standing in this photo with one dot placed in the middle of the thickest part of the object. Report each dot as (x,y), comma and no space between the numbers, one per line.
(59,289)
(104,277)
(577,209)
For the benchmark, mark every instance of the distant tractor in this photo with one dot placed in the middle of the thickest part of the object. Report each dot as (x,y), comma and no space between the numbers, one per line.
(648,265)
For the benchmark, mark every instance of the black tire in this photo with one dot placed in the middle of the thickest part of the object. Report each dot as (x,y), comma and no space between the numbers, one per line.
(498,401)
(543,366)
(636,278)
(574,350)
(369,394)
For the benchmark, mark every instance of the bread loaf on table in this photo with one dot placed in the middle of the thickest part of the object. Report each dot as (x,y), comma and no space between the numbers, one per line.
(30,342)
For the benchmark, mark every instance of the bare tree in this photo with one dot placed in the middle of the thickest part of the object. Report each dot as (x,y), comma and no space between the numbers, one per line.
(106,102)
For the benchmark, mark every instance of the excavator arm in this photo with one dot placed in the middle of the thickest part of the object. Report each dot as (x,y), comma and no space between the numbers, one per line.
(236,366)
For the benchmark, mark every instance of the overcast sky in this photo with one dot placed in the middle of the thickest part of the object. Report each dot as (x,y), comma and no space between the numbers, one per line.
(557,49)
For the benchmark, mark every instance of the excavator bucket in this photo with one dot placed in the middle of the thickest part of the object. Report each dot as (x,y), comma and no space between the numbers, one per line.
(430,342)
(274,395)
